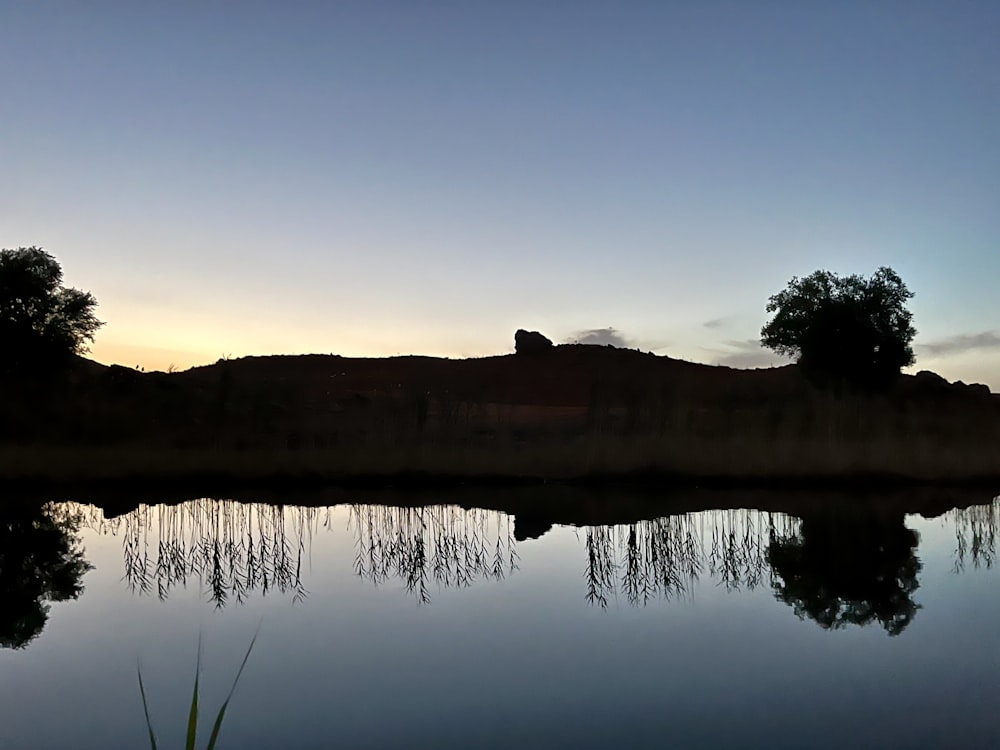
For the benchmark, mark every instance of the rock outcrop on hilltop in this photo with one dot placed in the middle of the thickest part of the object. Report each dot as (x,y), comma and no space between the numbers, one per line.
(531,342)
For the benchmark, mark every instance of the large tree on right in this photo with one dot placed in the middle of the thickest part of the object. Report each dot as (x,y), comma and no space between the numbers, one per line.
(849,329)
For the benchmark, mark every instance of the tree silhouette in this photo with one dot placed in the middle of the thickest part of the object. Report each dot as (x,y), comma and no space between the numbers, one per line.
(42,323)
(846,329)
(842,571)
(40,562)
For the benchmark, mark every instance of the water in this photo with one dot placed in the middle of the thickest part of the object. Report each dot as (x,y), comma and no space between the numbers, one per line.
(445,627)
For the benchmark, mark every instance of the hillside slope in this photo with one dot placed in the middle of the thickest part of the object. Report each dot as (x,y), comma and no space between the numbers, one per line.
(571,412)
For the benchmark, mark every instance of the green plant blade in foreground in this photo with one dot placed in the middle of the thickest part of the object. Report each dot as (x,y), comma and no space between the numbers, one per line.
(192,730)
(145,709)
(192,724)
(222,711)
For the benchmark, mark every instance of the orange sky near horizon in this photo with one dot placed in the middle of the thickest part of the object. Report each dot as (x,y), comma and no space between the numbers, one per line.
(156,358)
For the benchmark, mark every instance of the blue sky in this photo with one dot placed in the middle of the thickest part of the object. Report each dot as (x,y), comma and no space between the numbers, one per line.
(374,178)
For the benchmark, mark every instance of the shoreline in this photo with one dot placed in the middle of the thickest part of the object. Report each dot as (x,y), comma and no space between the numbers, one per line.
(582,415)
(588,463)
(306,474)
(536,509)
(538,502)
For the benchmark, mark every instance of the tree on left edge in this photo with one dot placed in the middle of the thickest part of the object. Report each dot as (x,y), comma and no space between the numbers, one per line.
(43,324)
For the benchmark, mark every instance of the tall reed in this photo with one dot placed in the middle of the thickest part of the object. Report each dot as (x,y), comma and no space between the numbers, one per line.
(191,736)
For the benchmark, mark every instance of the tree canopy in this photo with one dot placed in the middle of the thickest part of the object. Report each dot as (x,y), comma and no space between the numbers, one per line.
(41,561)
(42,323)
(848,570)
(845,328)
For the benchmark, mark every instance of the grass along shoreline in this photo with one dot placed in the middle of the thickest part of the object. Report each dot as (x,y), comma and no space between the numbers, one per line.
(576,414)
(587,459)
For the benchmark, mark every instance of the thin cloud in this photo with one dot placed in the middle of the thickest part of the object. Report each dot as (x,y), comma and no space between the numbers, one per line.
(747,354)
(601,337)
(961,343)
(653,345)
(715,323)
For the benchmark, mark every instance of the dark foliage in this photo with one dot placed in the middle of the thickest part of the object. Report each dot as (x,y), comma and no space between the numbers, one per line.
(849,329)
(848,571)
(531,342)
(40,562)
(42,323)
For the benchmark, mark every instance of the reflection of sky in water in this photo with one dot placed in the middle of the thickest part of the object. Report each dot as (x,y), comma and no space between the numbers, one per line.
(518,645)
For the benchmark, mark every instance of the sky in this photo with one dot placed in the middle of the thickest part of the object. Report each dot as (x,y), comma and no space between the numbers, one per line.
(379,178)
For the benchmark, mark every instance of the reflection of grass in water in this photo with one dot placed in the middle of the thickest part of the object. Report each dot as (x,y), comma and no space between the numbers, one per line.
(236,548)
(192,723)
(230,547)
(665,557)
(441,544)
(976,535)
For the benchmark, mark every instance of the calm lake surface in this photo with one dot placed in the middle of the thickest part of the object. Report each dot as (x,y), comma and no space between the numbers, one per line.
(448,627)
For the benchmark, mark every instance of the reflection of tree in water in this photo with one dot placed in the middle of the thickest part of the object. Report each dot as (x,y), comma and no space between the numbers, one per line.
(976,535)
(841,570)
(664,558)
(834,572)
(231,548)
(442,544)
(41,561)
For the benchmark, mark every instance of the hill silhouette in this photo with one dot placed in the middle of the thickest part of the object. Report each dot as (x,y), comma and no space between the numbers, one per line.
(571,412)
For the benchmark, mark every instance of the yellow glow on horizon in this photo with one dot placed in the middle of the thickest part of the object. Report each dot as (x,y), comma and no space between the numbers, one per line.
(146,357)
(205,345)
